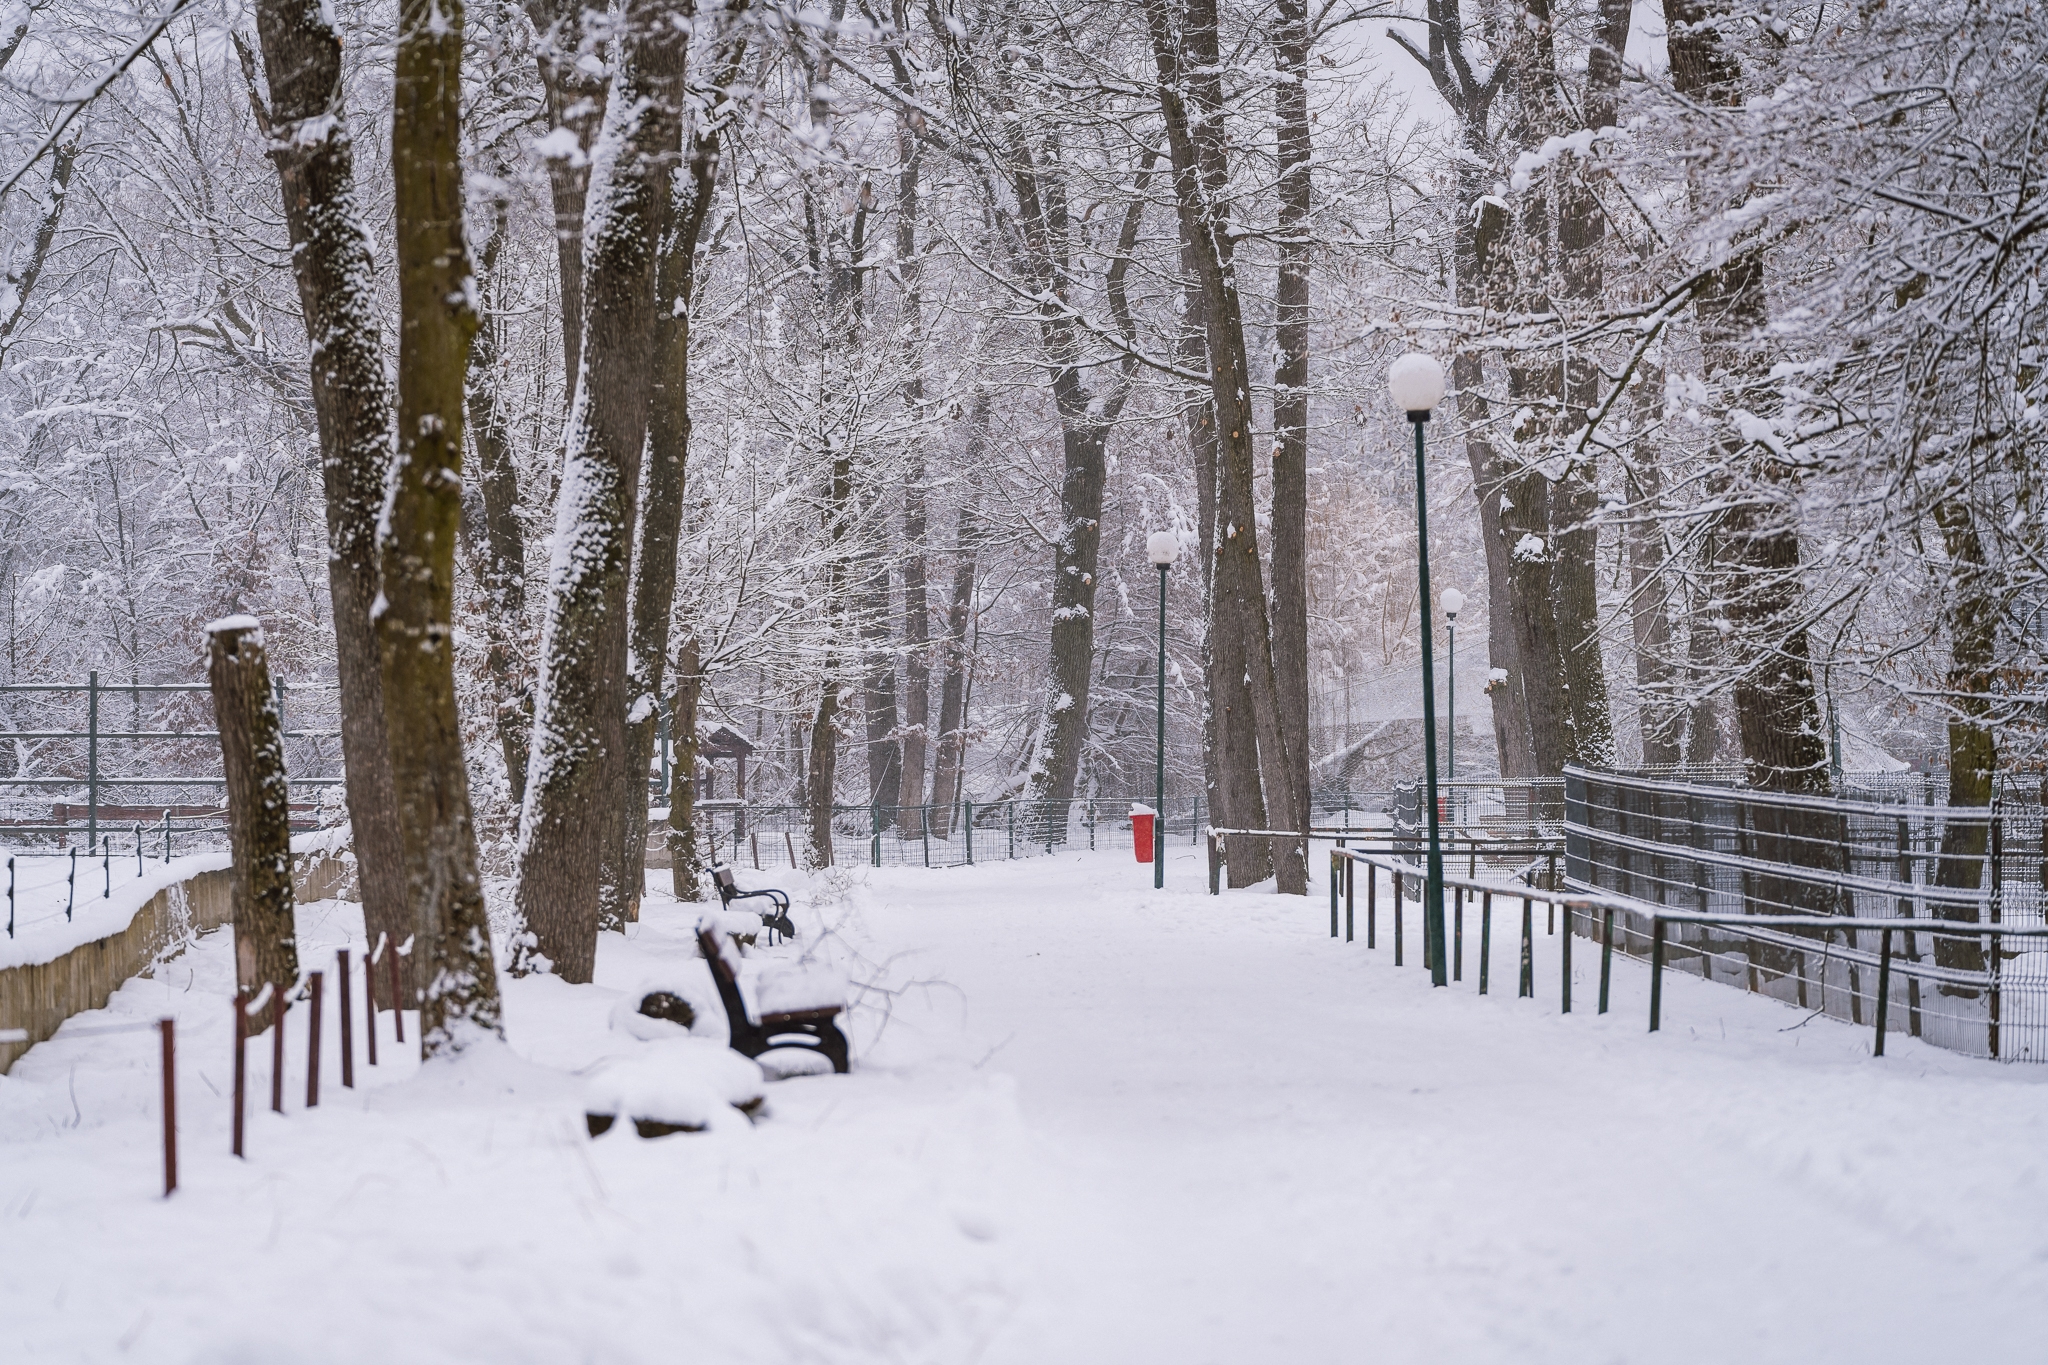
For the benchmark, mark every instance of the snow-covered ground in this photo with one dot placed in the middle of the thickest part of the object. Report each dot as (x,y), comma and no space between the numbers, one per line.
(1088,1122)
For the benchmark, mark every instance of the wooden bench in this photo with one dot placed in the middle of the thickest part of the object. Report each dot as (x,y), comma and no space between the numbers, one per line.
(809,1026)
(776,921)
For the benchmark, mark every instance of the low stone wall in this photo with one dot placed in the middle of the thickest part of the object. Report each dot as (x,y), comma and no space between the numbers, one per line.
(39,996)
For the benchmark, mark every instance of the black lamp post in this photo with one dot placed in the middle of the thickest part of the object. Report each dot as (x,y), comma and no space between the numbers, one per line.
(1161,547)
(1416,382)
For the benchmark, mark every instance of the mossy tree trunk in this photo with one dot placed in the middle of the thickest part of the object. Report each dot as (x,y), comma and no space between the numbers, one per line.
(307,136)
(458,999)
(259,809)
(685,854)
(579,738)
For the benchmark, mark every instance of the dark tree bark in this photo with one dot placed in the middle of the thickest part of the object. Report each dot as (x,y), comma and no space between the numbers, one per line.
(653,590)
(575,100)
(1185,47)
(1972,743)
(1291,44)
(956,653)
(416,547)
(308,141)
(685,857)
(878,682)
(1087,417)
(1757,567)
(259,809)
(1662,719)
(569,837)
(63,162)
(917,621)
(491,528)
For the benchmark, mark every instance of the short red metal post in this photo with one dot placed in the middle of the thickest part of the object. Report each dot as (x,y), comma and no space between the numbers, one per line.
(277,1007)
(168,1027)
(348,1034)
(313,1046)
(241,1068)
(370,999)
(397,1000)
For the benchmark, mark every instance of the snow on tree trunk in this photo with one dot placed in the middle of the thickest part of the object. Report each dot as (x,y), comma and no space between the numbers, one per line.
(1291,44)
(458,999)
(571,827)
(1185,47)
(572,81)
(308,141)
(956,652)
(685,857)
(259,809)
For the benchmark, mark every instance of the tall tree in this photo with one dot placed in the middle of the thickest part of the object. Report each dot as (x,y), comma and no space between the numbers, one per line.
(579,734)
(1186,49)
(416,543)
(306,131)
(955,650)
(1292,43)
(917,621)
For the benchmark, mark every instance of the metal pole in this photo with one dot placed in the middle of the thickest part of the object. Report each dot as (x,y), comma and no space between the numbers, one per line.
(1884,986)
(313,1044)
(1159,772)
(1485,936)
(169,1029)
(1433,893)
(348,1036)
(1451,706)
(1606,956)
(1656,973)
(92,758)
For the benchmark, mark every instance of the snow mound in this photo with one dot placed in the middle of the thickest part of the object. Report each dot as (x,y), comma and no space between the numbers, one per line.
(776,988)
(691,1009)
(679,1083)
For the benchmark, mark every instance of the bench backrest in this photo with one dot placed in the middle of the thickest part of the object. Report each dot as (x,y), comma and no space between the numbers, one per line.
(721,877)
(722,976)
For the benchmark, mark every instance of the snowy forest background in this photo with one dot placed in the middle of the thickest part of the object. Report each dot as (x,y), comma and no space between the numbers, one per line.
(1742,302)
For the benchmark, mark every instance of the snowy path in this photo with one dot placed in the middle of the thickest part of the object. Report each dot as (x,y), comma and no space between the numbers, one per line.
(1101,1124)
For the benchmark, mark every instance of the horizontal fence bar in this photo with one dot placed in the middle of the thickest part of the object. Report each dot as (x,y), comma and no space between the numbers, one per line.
(151,734)
(156,781)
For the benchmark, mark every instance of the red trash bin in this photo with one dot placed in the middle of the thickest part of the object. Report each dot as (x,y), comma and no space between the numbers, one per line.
(1141,832)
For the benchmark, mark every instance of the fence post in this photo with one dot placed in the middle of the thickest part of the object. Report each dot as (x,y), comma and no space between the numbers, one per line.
(1485,936)
(1606,956)
(348,1033)
(1399,919)
(1215,865)
(875,843)
(1656,971)
(968,824)
(1372,895)
(1884,986)
(1527,985)
(1997,870)
(1013,829)
(313,981)
(241,1068)
(138,850)
(1457,933)
(1334,874)
(277,1009)
(92,758)
(168,1027)
(1566,994)
(1350,899)
(10,898)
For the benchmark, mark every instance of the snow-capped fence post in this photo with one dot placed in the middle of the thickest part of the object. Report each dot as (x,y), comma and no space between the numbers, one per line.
(313,982)
(968,825)
(1336,861)
(348,1034)
(278,1006)
(166,1027)
(397,996)
(1215,864)
(1399,919)
(875,838)
(370,995)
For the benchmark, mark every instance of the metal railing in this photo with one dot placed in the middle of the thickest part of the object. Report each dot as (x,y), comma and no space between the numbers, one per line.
(95,783)
(1614,919)
(1830,904)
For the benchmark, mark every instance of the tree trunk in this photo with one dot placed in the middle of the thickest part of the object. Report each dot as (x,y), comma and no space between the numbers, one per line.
(878,682)
(1972,744)
(820,780)
(1650,615)
(259,809)
(917,621)
(955,651)
(653,587)
(1290,390)
(685,857)
(497,541)
(1776,708)
(1063,718)
(416,545)
(575,100)
(573,824)
(1190,74)
(308,139)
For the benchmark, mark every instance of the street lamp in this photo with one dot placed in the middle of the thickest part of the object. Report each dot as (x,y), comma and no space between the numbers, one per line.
(1453,602)
(1416,382)
(1161,547)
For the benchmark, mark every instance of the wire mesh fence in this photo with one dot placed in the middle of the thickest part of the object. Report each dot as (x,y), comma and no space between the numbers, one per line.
(766,837)
(1729,851)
